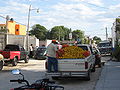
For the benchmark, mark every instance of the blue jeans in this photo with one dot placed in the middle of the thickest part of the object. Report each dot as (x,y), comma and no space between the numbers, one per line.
(52,63)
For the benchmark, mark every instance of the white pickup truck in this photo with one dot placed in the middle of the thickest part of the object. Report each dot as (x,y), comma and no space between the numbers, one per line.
(75,67)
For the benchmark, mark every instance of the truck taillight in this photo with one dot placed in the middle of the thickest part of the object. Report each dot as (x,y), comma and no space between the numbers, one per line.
(12,89)
(86,65)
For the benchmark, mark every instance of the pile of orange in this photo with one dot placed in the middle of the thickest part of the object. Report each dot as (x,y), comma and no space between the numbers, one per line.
(72,52)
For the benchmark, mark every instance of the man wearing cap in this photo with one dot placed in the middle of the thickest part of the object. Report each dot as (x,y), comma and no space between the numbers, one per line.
(51,54)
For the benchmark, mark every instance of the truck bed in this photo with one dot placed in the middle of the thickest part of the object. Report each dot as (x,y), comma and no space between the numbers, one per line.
(72,64)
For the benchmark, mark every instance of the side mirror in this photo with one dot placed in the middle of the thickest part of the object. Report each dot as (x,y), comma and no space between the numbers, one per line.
(16,72)
(94,52)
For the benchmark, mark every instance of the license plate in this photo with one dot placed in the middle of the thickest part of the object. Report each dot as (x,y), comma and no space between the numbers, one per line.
(65,74)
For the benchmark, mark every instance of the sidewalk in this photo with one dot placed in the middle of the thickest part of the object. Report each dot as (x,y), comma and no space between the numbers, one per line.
(110,77)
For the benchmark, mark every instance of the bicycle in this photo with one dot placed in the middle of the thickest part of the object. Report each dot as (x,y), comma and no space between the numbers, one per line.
(42,84)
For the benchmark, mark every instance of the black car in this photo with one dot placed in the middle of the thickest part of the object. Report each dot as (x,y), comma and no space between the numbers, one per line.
(40,53)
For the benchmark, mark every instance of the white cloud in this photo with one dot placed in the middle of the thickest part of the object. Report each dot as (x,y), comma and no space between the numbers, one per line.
(15,6)
(77,14)
(106,21)
(76,11)
(95,2)
(114,7)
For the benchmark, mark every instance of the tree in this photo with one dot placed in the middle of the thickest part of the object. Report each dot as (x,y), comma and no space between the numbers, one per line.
(39,31)
(3,31)
(59,33)
(97,39)
(78,34)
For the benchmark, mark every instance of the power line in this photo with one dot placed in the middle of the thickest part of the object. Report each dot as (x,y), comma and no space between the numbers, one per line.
(15,21)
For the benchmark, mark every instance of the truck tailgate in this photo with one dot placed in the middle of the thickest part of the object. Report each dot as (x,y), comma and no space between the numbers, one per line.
(6,54)
(71,64)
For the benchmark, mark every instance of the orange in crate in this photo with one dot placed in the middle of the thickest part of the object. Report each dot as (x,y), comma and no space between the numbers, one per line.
(65,45)
(86,53)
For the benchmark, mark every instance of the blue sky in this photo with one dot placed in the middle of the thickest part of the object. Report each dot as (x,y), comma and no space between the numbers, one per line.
(91,16)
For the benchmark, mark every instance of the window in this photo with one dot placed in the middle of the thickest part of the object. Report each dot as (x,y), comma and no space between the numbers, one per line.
(17,29)
(83,47)
(22,49)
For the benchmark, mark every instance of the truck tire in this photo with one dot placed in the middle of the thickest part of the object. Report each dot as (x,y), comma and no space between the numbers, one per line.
(14,61)
(93,68)
(26,59)
(1,65)
(99,65)
(88,76)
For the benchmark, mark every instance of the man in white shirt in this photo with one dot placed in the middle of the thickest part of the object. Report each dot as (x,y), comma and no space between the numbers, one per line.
(51,54)
(31,51)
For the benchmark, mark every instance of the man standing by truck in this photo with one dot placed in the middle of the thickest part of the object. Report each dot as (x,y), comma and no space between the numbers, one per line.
(31,51)
(51,54)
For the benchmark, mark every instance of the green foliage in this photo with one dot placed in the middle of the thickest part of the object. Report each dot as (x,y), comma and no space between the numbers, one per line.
(78,34)
(97,39)
(39,31)
(3,31)
(59,33)
(116,53)
(118,20)
(86,41)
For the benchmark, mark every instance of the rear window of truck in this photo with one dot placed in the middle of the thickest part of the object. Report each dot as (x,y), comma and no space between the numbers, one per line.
(11,48)
(84,47)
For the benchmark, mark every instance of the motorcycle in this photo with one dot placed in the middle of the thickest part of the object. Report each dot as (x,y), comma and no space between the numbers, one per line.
(42,84)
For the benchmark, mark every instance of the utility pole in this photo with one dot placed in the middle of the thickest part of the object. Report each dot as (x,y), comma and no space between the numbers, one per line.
(28,28)
(7,19)
(59,35)
(28,25)
(106,34)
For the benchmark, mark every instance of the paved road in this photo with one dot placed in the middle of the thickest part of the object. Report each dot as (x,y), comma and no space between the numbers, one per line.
(35,70)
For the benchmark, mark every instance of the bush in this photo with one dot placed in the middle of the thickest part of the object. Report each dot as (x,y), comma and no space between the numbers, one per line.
(116,53)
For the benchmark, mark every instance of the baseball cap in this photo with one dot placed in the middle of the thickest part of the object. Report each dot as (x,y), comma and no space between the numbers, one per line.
(53,40)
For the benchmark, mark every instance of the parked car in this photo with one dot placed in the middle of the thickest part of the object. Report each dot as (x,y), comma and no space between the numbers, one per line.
(97,57)
(40,53)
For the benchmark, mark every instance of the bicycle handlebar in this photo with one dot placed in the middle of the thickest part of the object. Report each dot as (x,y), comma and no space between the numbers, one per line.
(20,81)
(13,80)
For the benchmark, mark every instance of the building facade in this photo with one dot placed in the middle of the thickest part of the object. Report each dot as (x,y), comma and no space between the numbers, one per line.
(15,34)
(13,28)
(2,26)
(116,32)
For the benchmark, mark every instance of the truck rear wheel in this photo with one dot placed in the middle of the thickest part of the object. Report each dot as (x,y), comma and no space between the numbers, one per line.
(55,78)
(99,65)
(14,61)
(26,59)
(93,68)
(88,76)
(1,65)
